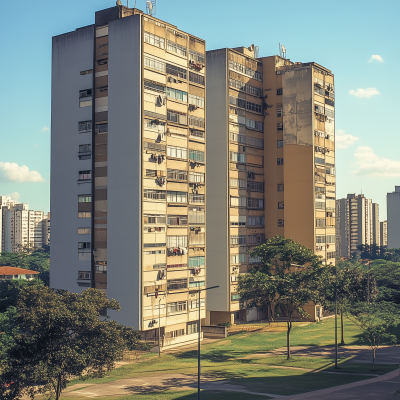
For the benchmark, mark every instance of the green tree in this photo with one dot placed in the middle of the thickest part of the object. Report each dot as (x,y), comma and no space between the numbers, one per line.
(284,282)
(374,320)
(62,335)
(346,284)
(8,329)
(387,275)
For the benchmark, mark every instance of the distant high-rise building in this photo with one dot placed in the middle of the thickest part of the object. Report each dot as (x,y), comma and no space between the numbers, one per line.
(383,233)
(21,227)
(128,169)
(357,223)
(393,219)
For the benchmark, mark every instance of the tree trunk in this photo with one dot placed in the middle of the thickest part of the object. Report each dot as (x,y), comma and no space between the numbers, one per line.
(289,327)
(342,327)
(373,361)
(58,393)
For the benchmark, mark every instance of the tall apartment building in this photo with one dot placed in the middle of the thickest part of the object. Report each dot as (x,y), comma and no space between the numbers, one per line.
(357,223)
(393,219)
(383,233)
(128,169)
(271,152)
(21,226)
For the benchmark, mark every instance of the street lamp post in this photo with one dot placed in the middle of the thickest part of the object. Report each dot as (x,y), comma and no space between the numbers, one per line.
(336,341)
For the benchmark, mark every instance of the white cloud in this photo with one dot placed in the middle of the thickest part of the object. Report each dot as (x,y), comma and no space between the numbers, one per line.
(376,58)
(45,129)
(18,173)
(367,163)
(344,140)
(14,196)
(364,92)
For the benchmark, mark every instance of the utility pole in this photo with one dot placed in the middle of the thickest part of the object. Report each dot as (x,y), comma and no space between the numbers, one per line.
(336,341)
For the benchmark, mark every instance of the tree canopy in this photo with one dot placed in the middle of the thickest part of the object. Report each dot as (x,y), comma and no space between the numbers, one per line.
(61,335)
(284,282)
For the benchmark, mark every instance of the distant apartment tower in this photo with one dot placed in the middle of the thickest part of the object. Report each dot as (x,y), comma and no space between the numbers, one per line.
(128,169)
(383,233)
(271,152)
(357,223)
(20,226)
(393,219)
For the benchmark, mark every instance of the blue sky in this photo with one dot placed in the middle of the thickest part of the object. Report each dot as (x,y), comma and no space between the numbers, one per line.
(356,40)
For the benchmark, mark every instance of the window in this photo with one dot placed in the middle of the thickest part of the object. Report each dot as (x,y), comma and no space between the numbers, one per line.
(154,219)
(176,197)
(154,64)
(84,214)
(176,265)
(177,152)
(258,126)
(101,266)
(177,94)
(197,236)
(254,260)
(85,98)
(251,141)
(196,198)
(253,90)
(330,239)
(238,239)
(279,91)
(176,284)
(319,160)
(196,78)
(197,284)
(281,205)
(255,203)
(197,262)
(240,183)
(84,231)
(197,177)
(196,100)
(151,252)
(237,84)
(84,275)
(85,149)
(234,137)
(238,157)
(195,304)
(153,86)
(176,307)
(85,198)
(235,297)
(104,61)
(176,71)
(320,239)
(239,258)
(150,194)
(176,333)
(176,117)
(330,254)
(84,246)
(101,128)
(255,186)
(85,175)
(279,161)
(320,222)
(196,155)
(177,220)
(279,143)
(320,205)
(176,174)
(235,101)
(238,201)
(279,126)
(253,107)
(256,239)
(196,57)
(176,48)
(196,134)
(279,112)
(196,215)
(85,126)
(281,223)
(196,121)
(255,221)
(86,72)
(280,187)
(154,40)
(156,147)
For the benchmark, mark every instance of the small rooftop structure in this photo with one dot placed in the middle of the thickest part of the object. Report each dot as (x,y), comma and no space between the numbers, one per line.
(16,273)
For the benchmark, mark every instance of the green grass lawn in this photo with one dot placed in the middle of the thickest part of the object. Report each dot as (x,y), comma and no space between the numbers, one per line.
(184,395)
(223,360)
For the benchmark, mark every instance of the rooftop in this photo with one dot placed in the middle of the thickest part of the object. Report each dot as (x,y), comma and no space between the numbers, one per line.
(16,271)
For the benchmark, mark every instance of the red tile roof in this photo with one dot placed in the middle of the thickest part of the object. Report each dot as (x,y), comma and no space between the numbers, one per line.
(15,271)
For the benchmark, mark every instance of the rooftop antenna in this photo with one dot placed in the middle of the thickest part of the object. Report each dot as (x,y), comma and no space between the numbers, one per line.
(151,7)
